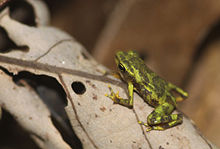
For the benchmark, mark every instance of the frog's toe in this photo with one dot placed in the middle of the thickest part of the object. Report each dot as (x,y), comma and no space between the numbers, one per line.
(107,95)
(149,128)
(110,88)
(117,94)
(113,97)
(179,99)
(143,123)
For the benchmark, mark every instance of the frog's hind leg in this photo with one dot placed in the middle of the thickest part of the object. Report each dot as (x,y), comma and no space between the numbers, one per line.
(161,118)
(176,120)
(182,93)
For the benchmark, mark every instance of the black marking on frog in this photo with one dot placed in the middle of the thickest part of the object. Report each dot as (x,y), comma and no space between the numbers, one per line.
(159,86)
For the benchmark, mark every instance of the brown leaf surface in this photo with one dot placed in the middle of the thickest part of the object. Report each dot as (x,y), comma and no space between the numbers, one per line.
(203,104)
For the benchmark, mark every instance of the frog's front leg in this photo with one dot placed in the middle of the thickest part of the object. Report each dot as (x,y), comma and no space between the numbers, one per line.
(112,73)
(117,99)
(161,118)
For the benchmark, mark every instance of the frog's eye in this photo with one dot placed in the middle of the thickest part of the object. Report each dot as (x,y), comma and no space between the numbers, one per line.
(121,67)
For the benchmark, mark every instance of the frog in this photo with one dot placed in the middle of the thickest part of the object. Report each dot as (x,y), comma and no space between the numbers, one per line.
(153,89)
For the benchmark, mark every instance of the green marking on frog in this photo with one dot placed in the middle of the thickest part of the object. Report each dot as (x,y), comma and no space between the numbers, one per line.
(153,89)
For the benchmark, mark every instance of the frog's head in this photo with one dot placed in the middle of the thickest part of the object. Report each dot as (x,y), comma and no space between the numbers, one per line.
(125,64)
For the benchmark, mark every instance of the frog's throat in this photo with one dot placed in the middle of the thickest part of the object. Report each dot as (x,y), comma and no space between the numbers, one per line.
(121,75)
(116,61)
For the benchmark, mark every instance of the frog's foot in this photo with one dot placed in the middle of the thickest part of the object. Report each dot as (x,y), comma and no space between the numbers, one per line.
(118,100)
(180,98)
(105,73)
(178,90)
(114,74)
(113,96)
(148,128)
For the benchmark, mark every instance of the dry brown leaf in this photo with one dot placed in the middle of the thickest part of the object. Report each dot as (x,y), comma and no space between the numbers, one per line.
(203,103)
(95,119)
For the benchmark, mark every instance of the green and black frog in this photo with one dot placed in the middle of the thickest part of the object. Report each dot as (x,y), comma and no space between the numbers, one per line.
(153,89)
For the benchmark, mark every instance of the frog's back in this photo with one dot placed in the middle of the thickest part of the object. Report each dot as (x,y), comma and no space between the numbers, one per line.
(145,76)
(148,84)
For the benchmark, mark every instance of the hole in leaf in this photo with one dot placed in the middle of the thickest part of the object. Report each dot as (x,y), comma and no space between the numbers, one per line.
(54,96)
(78,87)
(22,11)
(7,45)
(13,135)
